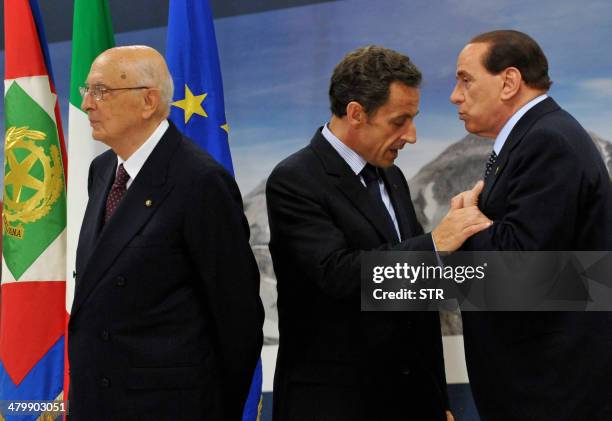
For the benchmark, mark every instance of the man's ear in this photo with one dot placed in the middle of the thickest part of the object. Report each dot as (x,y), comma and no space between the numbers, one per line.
(512,80)
(152,102)
(355,114)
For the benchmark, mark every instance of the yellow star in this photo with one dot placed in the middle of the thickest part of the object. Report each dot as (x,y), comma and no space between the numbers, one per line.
(191,104)
(225,127)
(19,175)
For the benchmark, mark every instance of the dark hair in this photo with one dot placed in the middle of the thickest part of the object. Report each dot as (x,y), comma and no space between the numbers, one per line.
(364,76)
(508,48)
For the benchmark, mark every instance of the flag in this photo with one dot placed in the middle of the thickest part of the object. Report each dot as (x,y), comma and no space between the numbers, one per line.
(92,33)
(198,109)
(32,325)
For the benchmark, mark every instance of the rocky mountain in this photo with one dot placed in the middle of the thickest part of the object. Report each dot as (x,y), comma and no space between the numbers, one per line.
(456,169)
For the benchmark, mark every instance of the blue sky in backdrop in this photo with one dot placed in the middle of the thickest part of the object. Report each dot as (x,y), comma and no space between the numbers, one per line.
(276,66)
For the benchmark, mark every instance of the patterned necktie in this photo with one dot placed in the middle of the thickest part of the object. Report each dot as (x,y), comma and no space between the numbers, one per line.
(371,177)
(116,193)
(490,163)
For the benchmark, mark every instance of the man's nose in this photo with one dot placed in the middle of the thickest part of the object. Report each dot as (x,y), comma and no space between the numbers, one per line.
(88,102)
(410,135)
(456,96)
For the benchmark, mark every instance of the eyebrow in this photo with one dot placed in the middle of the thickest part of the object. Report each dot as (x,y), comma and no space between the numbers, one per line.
(406,115)
(463,73)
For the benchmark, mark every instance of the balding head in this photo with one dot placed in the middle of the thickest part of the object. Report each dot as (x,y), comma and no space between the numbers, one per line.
(140,65)
(130,90)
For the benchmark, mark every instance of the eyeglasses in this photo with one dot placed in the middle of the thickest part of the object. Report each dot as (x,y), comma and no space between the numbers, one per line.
(98,91)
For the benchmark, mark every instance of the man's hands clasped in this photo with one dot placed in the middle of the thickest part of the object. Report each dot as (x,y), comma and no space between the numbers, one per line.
(463,220)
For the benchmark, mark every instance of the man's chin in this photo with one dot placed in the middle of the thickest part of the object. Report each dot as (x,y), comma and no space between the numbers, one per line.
(472,130)
(95,135)
(389,159)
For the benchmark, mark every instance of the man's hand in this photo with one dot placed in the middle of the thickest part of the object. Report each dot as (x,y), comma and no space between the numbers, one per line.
(449,416)
(457,226)
(467,198)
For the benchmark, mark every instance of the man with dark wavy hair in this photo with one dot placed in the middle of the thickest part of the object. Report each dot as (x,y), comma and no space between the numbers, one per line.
(546,188)
(328,203)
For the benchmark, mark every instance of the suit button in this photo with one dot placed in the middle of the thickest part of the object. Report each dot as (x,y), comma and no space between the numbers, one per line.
(120,281)
(104,382)
(105,335)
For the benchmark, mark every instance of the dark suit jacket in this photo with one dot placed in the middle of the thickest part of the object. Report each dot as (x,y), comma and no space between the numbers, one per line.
(551,192)
(166,320)
(335,362)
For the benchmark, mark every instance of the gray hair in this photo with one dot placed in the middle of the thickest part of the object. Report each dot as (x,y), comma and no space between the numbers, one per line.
(153,75)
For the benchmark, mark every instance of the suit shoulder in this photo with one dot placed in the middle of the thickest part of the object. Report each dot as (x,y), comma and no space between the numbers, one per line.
(201,175)
(301,164)
(561,125)
(561,131)
(101,161)
(197,162)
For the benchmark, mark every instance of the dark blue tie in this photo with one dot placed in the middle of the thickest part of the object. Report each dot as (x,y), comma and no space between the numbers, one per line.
(371,177)
(490,163)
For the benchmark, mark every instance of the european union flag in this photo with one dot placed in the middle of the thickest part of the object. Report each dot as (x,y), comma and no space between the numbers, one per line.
(198,109)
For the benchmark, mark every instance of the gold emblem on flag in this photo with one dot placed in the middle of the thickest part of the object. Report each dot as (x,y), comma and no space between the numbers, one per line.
(29,198)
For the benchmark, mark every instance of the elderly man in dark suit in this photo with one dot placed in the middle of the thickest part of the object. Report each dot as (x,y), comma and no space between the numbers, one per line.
(546,188)
(327,204)
(166,322)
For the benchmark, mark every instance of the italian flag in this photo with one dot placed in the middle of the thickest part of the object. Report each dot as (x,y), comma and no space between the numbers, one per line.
(92,33)
(33,282)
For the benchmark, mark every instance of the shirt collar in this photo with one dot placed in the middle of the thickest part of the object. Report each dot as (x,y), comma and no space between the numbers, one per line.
(505,131)
(352,158)
(136,161)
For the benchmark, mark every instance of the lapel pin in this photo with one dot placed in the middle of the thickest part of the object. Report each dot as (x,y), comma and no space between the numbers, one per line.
(148,203)
(496,170)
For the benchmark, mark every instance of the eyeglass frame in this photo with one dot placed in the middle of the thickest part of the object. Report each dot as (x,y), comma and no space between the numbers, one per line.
(84,90)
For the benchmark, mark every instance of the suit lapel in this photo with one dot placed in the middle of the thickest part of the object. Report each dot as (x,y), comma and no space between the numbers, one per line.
(94,213)
(514,139)
(350,185)
(145,195)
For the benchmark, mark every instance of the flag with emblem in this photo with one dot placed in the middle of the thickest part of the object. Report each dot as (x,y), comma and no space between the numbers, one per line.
(32,322)
(92,33)
(198,108)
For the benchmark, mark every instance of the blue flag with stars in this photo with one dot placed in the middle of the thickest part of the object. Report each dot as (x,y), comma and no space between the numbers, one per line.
(198,109)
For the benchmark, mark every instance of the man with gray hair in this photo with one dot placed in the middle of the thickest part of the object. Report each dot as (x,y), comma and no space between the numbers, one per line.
(166,321)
